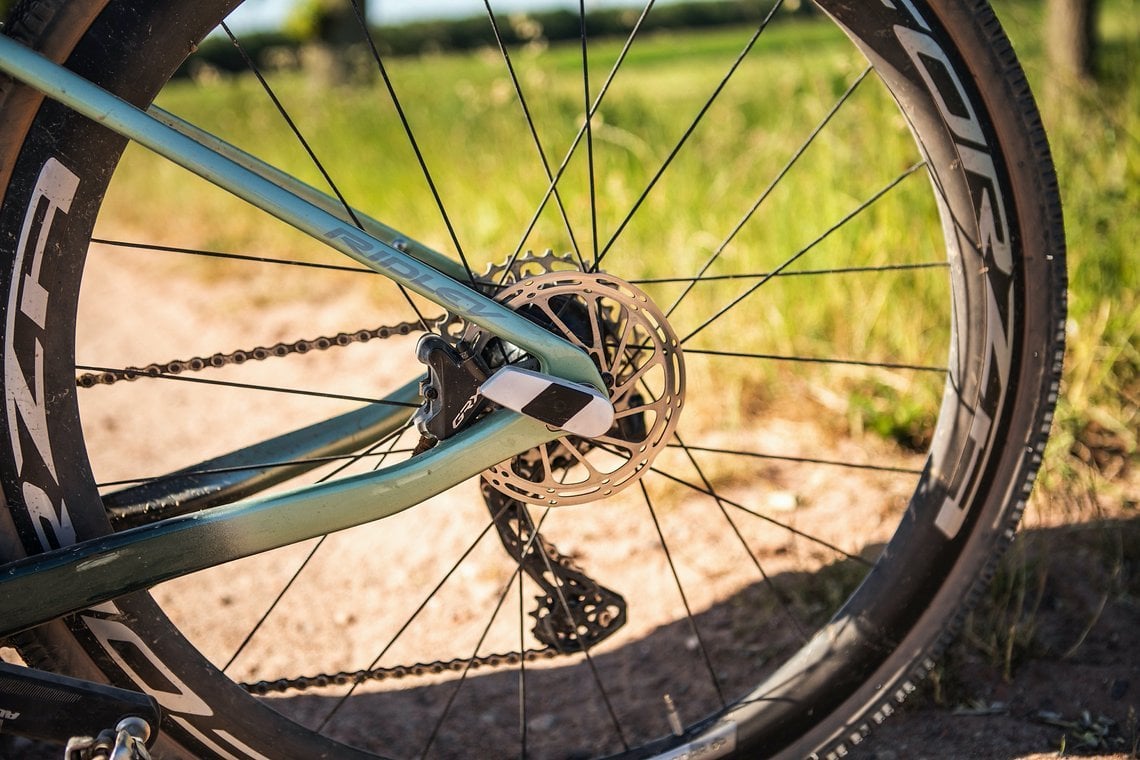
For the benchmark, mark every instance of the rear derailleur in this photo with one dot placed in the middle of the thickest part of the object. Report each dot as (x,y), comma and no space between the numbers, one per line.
(574,612)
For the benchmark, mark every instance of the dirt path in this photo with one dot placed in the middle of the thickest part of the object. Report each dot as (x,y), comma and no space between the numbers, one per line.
(1074,681)
(1074,668)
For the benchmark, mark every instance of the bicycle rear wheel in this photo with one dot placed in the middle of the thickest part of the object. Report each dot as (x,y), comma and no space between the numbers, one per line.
(847,227)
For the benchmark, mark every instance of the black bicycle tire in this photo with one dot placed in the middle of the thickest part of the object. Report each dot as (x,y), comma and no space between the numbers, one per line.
(974,31)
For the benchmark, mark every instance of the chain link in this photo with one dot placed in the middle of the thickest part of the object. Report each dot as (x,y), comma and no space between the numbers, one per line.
(515,270)
(278,350)
(344,677)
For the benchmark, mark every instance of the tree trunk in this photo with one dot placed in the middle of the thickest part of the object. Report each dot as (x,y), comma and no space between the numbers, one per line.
(1071,38)
(341,26)
(334,57)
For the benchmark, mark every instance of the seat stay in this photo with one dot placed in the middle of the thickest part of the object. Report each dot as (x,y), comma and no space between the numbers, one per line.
(217,163)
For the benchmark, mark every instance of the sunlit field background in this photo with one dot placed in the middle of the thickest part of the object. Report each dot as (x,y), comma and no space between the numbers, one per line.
(830,243)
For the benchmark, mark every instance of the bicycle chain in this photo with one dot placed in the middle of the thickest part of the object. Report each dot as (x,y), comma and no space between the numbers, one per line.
(304,346)
(344,677)
(278,350)
(516,269)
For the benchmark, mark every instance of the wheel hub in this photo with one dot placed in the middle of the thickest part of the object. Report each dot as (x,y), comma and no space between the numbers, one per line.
(637,354)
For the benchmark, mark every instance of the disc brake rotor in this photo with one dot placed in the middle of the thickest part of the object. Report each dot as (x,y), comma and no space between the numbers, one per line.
(638,356)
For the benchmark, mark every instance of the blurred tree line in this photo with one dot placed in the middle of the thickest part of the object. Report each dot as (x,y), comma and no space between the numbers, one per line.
(1070,38)
(333,23)
(1070,29)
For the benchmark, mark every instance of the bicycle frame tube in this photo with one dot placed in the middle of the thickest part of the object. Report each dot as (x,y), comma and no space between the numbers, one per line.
(214,161)
(379,230)
(252,469)
(46,586)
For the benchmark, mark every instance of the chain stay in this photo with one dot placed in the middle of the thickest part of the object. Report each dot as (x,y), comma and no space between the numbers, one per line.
(304,346)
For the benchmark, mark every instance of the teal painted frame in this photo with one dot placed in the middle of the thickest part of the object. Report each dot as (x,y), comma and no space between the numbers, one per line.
(43,587)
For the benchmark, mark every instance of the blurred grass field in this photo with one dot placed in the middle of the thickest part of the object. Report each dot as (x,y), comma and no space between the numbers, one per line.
(466,119)
(467,123)
(489,177)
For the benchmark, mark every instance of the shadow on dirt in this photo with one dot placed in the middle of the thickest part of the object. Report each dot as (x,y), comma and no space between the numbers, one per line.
(701,665)
(1049,660)
(1048,663)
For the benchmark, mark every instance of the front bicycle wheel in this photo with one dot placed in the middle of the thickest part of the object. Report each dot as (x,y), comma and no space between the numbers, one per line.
(818,258)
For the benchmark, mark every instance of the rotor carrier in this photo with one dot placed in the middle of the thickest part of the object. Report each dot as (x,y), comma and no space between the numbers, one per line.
(637,353)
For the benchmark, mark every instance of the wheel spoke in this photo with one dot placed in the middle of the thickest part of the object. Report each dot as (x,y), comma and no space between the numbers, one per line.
(308,557)
(816,360)
(706,278)
(516,576)
(565,607)
(533,131)
(232,256)
(204,471)
(684,598)
(589,135)
(804,460)
(591,110)
(410,134)
(760,515)
(336,708)
(803,251)
(253,67)
(779,595)
(771,186)
(595,674)
(690,130)
(254,387)
(522,648)
(284,114)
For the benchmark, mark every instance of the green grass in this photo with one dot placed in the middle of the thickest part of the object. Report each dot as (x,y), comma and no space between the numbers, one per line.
(1094,131)
(466,118)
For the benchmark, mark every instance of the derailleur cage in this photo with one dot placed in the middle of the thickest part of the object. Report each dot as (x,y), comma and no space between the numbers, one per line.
(574,611)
